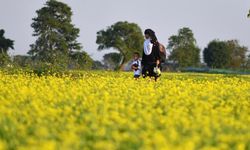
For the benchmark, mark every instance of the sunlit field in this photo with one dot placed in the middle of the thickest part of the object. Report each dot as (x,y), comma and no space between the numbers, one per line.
(108,110)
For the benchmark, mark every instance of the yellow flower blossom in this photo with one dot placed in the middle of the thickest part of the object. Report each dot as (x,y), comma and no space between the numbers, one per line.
(109,110)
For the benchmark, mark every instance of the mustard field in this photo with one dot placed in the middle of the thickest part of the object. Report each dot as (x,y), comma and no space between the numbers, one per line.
(111,110)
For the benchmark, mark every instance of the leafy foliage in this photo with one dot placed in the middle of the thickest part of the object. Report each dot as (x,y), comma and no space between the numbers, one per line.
(217,55)
(247,64)
(183,48)
(238,53)
(125,37)
(80,60)
(5,45)
(22,61)
(224,54)
(56,34)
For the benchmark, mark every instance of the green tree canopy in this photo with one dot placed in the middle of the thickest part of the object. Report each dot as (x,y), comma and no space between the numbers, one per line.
(80,60)
(217,54)
(125,37)
(5,45)
(183,48)
(225,54)
(56,35)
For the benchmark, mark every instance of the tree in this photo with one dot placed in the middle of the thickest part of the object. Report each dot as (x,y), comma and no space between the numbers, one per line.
(112,60)
(248,14)
(80,60)
(247,64)
(183,48)
(22,61)
(5,45)
(225,54)
(238,53)
(217,54)
(56,34)
(125,37)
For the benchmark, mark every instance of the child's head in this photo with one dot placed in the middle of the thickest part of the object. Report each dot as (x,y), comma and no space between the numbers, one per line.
(136,55)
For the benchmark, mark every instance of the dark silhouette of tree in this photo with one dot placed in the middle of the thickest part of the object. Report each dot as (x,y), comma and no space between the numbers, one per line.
(5,45)
(217,54)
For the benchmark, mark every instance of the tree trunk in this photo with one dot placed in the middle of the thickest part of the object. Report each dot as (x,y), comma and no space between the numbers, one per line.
(122,63)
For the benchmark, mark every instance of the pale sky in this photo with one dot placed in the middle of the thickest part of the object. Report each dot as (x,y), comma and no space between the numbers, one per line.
(209,19)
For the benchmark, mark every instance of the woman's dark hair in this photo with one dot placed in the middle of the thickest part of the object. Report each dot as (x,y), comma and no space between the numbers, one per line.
(151,34)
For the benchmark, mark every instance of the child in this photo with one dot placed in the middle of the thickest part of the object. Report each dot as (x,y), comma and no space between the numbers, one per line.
(136,65)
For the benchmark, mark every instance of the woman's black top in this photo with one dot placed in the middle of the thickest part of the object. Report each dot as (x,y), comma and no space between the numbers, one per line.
(153,57)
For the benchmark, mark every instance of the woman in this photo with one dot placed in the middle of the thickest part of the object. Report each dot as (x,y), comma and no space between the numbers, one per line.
(151,55)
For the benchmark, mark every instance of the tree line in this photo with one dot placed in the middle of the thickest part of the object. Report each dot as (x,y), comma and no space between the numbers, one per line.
(127,38)
(56,45)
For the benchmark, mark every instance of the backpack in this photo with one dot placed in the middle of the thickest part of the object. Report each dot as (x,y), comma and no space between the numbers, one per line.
(162,52)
